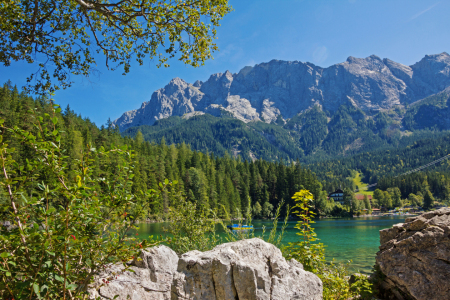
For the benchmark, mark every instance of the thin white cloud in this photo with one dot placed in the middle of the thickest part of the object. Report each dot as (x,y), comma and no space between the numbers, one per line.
(320,54)
(423,11)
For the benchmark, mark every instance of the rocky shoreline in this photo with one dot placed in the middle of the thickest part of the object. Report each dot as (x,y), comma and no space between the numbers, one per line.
(413,263)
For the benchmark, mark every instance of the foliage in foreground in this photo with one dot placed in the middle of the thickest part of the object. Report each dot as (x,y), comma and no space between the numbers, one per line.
(63,229)
(312,255)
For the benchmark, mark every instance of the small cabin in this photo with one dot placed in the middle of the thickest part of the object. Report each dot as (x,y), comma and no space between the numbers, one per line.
(361,197)
(337,196)
(376,211)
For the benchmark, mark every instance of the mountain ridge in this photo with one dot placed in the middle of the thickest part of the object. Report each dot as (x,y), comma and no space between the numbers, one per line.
(283,89)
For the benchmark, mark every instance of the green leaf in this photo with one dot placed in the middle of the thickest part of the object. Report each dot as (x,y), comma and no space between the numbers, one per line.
(24,199)
(36,290)
(55,132)
(50,210)
(55,120)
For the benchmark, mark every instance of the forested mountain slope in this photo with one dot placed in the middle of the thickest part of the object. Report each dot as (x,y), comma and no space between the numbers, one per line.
(310,136)
(206,133)
(379,164)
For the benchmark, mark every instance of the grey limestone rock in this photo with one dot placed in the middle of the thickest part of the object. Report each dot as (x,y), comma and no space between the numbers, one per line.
(247,269)
(151,277)
(415,257)
(286,88)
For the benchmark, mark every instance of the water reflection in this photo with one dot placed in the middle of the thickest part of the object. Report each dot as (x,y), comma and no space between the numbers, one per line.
(346,239)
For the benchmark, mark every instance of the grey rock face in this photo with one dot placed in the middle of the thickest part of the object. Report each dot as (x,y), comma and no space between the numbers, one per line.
(151,277)
(267,90)
(415,257)
(248,269)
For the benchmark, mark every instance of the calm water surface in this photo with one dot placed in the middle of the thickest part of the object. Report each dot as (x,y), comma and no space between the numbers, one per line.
(354,239)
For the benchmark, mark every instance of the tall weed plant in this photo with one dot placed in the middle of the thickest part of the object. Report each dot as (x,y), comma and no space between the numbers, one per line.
(190,227)
(274,237)
(311,254)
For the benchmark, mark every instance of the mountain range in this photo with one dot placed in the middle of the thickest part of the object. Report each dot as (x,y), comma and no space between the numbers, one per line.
(291,110)
(283,89)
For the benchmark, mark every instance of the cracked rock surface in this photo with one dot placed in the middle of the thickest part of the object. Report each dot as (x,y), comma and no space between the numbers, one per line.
(415,257)
(150,277)
(247,269)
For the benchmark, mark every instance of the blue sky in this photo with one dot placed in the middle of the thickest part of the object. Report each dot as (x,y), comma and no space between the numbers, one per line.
(319,31)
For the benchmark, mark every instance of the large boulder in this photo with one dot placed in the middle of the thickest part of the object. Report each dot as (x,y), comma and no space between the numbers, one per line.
(247,269)
(414,257)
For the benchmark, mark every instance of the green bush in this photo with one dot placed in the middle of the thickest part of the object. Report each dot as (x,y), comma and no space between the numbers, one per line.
(63,228)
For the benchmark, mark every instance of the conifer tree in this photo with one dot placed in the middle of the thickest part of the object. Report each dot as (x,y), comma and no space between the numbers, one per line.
(428,199)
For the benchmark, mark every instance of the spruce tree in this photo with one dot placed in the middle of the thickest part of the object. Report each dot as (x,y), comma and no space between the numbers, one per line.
(428,199)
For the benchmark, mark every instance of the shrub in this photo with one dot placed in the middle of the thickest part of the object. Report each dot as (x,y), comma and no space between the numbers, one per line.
(63,229)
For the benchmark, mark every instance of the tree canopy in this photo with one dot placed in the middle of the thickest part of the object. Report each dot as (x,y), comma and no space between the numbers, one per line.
(63,37)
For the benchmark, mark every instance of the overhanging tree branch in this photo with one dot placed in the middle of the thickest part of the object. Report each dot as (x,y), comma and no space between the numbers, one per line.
(123,31)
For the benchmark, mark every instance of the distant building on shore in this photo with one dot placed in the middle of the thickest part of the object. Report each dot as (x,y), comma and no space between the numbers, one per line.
(337,196)
(361,197)
(376,211)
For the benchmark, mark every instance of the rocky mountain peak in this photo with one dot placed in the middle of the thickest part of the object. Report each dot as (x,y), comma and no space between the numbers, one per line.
(175,85)
(279,88)
(244,71)
(438,57)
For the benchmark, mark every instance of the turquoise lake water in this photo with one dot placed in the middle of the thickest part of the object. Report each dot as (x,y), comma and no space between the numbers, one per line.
(354,239)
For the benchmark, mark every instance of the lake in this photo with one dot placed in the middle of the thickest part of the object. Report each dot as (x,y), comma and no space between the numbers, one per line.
(354,239)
